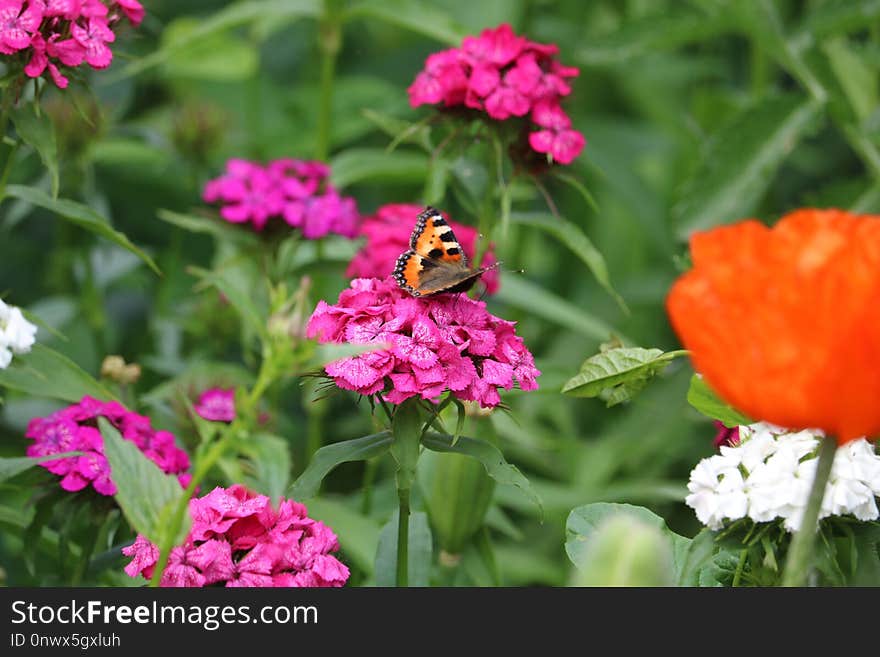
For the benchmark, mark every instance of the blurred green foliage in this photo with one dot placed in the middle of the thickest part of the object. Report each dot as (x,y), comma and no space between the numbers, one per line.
(696,113)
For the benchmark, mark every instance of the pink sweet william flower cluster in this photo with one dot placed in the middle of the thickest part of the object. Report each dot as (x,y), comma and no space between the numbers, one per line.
(239,539)
(216,405)
(296,191)
(75,429)
(505,75)
(46,35)
(388,231)
(444,342)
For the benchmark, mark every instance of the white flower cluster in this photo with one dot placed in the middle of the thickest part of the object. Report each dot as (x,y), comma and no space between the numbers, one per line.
(769,473)
(16,334)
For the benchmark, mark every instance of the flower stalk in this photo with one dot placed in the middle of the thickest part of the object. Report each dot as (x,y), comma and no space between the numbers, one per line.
(238,427)
(330,43)
(798,563)
(406,431)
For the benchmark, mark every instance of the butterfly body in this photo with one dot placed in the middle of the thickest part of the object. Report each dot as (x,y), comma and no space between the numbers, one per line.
(435,262)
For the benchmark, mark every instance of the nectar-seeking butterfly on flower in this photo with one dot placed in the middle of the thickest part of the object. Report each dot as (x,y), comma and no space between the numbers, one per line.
(435,262)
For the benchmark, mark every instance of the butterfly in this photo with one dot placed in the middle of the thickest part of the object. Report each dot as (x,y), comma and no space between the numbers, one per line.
(435,262)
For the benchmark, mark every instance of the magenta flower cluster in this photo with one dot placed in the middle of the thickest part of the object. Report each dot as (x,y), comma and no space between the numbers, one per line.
(444,342)
(75,429)
(50,34)
(388,231)
(296,191)
(216,405)
(505,75)
(239,539)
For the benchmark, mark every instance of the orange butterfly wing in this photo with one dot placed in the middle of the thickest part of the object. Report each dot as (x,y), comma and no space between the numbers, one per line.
(433,238)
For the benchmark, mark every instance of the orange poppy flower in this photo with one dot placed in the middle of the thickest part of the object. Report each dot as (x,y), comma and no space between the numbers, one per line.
(784,322)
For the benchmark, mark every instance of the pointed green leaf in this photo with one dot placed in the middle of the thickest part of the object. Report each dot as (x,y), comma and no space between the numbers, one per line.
(418,17)
(267,464)
(740,161)
(618,374)
(650,34)
(9,467)
(39,133)
(518,292)
(240,297)
(838,17)
(402,131)
(144,493)
(491,458)
(573,238)
(209,226)
(857,78)
(419,556)
(704,399)
(81,215)
(358,534)
(45,373)
(234,15)
(355,165)
(328,457)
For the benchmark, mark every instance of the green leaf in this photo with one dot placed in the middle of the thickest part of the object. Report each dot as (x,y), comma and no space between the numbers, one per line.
(401,130)
(625,551)
(9,467)
(219,55)
(618,374)
(838,17)
(214,226)
(356,165)
(584,528)
(491,458)
(645,36)
(358,535)
(144,493)
(858,80)
(329,456)
(81,215)
(740,161)
(419,556)
(520,293)
(39,133)
(268,464)
(419,17)
(704,399)
(572,237)
(583,521)
(45,373)
(237,14)
(697,555)
(240,297)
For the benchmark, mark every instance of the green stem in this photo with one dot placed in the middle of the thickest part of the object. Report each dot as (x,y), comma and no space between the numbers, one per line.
(370,469)
(93,302)
(330,43)
(5,145)
(740,566)
(204,466)
(403,537)
(800,554)
(407,427)
(243,421)
(760,69)
(315,412)
(7,168)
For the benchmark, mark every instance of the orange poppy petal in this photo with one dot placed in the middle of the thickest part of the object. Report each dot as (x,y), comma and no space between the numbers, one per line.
(784,323)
